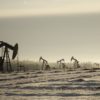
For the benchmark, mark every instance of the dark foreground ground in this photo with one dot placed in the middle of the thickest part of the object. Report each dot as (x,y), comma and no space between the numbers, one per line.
(57,84)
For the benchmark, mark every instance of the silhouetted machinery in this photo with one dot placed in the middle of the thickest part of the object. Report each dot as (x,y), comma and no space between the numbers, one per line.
(45,64)
(5,58)
(61,63)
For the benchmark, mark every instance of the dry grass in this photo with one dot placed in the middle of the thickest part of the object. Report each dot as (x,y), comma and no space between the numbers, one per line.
(57,84)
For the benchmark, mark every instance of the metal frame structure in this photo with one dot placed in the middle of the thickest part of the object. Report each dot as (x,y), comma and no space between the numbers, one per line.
(5,55)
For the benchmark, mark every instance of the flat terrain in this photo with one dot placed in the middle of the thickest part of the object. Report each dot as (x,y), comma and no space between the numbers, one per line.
(77,84)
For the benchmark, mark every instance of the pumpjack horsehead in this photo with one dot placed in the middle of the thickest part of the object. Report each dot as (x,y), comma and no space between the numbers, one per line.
(5,56)
(45,65)
(76,62)
(61,63)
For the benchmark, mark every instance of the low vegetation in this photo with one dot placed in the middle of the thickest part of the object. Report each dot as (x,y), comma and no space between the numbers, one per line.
(55,84)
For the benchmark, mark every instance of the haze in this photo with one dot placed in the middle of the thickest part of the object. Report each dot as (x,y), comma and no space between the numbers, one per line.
(53,29)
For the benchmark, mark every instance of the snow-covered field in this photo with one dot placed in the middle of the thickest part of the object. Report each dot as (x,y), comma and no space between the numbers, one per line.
(77,84)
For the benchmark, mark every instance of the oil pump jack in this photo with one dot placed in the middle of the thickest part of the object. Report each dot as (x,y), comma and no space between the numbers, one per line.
(61,63)
(76,62)
(45,64)
(5,57)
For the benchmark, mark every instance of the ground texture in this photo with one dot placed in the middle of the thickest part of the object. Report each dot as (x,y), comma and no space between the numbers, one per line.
(77,84)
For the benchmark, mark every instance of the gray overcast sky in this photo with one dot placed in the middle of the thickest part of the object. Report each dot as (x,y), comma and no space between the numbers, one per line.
(52,29)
